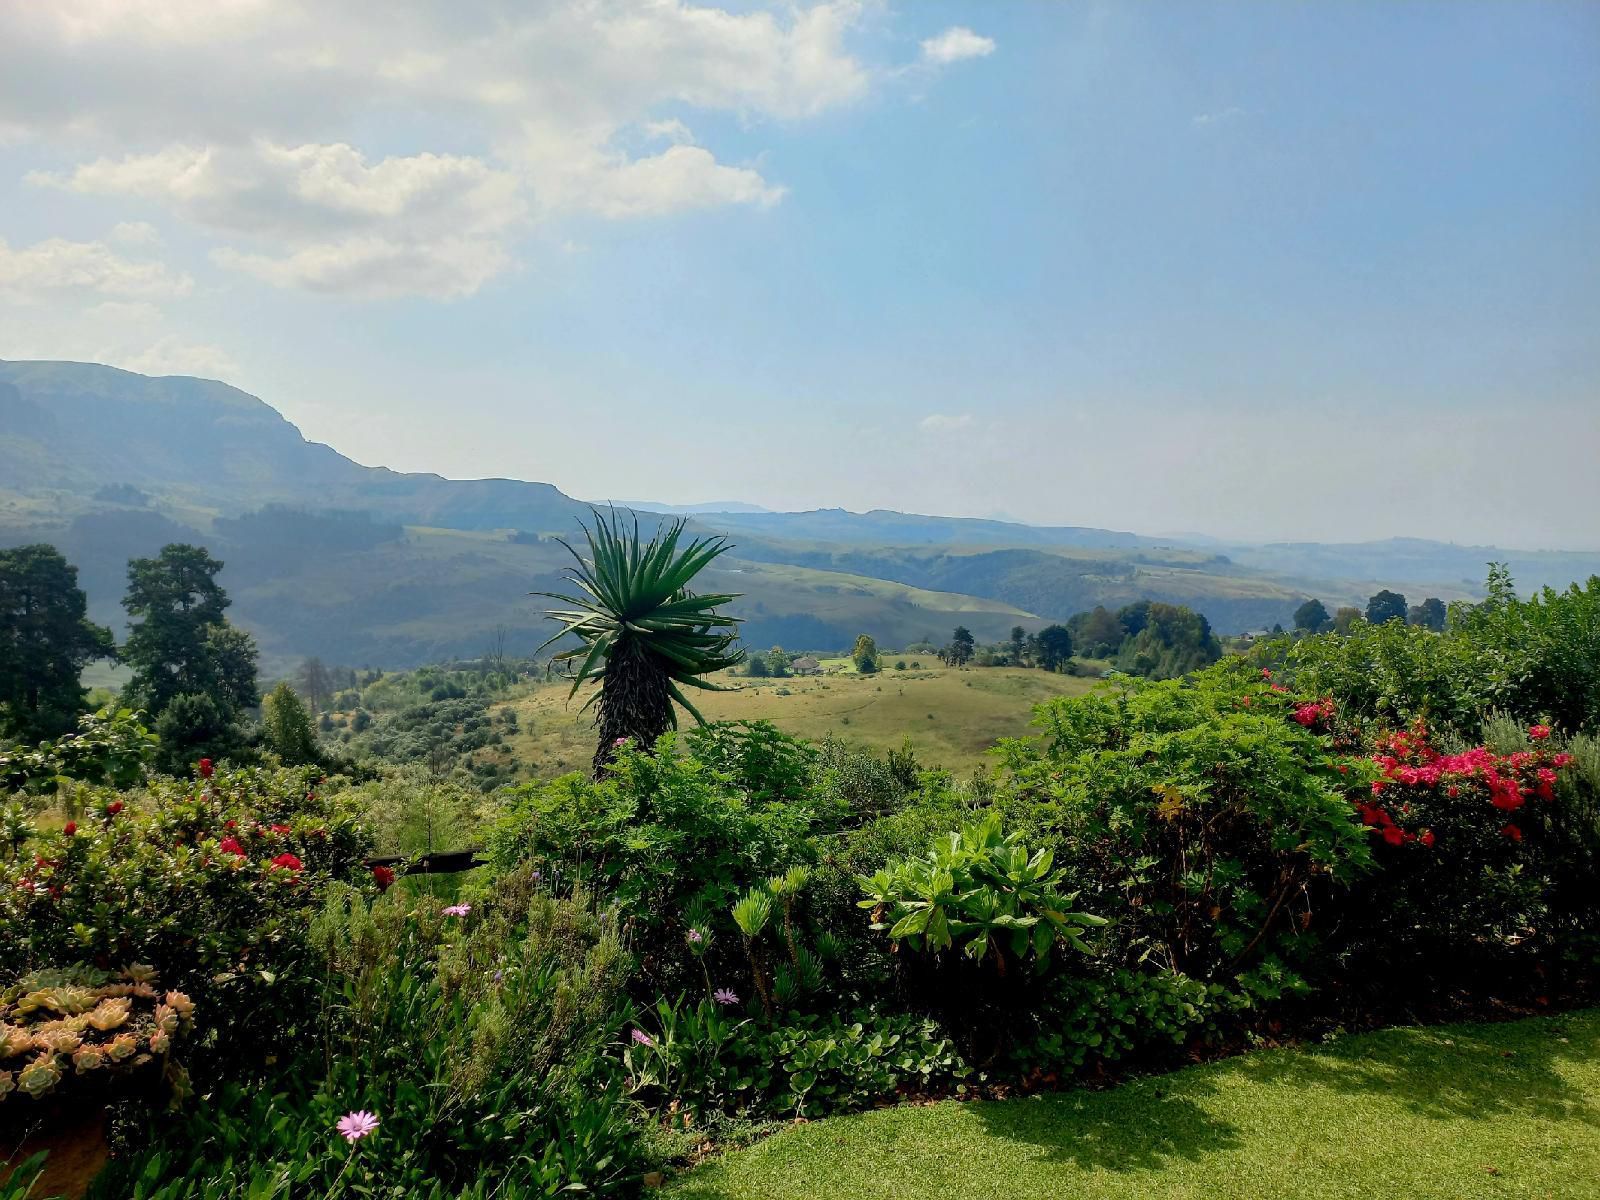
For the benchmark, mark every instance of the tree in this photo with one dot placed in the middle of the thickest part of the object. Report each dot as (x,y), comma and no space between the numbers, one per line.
(1430,614)
(182,648)
(643,635)
(46,639)
(1054,647)
(316,684)
(1019,645)
(1344,619)
(961,648)
(1386,606)
(1312,616)
(286,727)
(1096,634)
(777,662)
(865,655)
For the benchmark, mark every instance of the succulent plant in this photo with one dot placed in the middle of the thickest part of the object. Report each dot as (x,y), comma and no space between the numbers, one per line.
(81,1015)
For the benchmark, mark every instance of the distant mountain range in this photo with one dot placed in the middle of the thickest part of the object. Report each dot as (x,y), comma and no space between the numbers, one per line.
(365,565)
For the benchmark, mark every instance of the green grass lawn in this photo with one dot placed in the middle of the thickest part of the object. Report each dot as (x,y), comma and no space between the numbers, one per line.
(1453,1111)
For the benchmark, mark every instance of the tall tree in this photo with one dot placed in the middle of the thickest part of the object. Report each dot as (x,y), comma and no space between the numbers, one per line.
(865,655)
(642,634)
(192,671)
(1345,618)
(1054,644)
(1386,606)
(1019,645)
(1312,616)
(46,639)
(777,662)
(316,684)
(962,646)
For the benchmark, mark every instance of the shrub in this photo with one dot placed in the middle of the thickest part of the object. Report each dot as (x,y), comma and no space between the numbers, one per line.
(480,1042)
(211,881)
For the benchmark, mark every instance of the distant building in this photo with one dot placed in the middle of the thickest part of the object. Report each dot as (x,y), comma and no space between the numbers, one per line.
(805,666)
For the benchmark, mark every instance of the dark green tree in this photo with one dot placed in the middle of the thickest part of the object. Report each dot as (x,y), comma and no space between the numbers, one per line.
(192,671)
(777,662)
(46,639)
(756,666)
(1312,616)
(1019,645)
(1054,647)
(962,646)
(1345,618)
(1386,606)
(1430,614)
(642,635)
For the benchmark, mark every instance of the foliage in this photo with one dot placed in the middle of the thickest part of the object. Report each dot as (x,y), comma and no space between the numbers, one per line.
(481,1044)
(211,880)
(865,655)
(712,1058)
(286,728)
(670,839)
(1312,616)
(980,892)
(1200,815)
(1386,606)
(110,747)
(46,639)
(643,636)
(81,1020)
(192,671)
(1053,647)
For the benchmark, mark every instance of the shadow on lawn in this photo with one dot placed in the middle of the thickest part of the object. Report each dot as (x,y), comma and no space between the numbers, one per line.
(1445,1073)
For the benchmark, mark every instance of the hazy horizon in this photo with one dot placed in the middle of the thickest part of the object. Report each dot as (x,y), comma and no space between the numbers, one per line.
(1262,273)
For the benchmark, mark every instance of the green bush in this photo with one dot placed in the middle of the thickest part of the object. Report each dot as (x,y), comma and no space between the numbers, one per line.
(482,1042)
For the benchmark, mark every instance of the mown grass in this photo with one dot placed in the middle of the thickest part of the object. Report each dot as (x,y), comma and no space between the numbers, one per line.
(1509,1110)
(950,717)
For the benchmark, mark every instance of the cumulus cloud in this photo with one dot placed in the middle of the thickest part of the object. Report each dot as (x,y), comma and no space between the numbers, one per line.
(57,265)
(942,423)
(135,233)
(955,44)
(240,113)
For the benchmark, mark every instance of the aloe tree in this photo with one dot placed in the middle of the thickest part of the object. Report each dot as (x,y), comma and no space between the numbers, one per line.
(643,635)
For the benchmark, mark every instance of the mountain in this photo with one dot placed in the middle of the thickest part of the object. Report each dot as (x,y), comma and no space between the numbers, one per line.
(367,565)
(710,506)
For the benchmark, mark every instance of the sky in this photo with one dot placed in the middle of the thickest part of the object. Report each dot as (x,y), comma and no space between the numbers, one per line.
(1260,271)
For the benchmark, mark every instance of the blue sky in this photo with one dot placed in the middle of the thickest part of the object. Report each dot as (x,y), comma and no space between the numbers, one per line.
(1320,271)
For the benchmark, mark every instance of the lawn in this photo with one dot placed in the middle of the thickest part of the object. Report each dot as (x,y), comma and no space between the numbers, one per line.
(1445,1112)
(950,717)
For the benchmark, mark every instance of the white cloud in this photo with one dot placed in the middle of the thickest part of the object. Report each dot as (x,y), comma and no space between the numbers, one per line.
(1218,117)
(955,44)
(941,423)
(135,233)
(56,265)
(172,356)
(378,268)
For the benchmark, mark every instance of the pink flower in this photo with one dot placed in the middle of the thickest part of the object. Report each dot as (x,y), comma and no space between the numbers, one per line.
(357,1125)
(642,1038)
(1538,732)
(1265,673)
(725,996)
(695,937)
(456,910)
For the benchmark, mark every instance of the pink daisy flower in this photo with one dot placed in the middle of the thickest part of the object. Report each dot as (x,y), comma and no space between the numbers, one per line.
(725,996)
(456,910)
(357,1125)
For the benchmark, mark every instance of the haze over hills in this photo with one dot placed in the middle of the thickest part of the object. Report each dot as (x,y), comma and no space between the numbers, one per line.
(364,564)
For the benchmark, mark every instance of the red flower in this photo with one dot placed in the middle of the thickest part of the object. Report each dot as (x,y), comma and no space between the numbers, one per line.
(286,862)
(1538,732)
(1266,674)
(229,845)
(1512,832)
(113,808)
(1561,760)
(383,877)
(230,824)
(1427,838)
(279,829)
(1394,835)
(70,828)
(206,768)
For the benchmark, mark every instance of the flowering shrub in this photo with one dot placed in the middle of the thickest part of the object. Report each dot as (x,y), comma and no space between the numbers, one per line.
(212,879)
(1464,850)
(59,1026)
(111,747)
(1208,818)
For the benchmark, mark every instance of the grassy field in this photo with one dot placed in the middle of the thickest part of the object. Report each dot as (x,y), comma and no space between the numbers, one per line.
(1427,1114)
(950,717)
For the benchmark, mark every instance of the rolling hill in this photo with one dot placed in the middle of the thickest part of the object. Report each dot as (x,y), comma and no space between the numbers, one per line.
(363,564)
